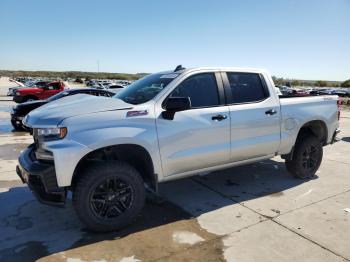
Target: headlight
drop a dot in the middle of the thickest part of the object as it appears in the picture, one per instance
(51, 133)
(17, 93)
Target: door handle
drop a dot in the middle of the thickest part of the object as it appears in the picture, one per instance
(219, 117)
(271, 112)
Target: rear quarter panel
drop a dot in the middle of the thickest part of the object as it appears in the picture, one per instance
(297, 111)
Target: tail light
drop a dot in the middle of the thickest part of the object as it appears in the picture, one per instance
(339, 107)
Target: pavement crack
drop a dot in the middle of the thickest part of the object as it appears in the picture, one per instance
(329, 159)
(310, 204)
(227, 197)
(309, 239)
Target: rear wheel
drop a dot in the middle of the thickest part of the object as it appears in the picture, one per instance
(108, 196)
(307, 157)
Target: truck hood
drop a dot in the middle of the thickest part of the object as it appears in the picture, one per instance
(26, 107)
(55, 112)
(30, 103)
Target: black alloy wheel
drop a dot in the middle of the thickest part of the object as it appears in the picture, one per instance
(111, 198)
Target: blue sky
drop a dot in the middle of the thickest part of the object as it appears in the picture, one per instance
(291, 38)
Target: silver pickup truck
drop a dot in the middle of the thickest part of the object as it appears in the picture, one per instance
(168, 125)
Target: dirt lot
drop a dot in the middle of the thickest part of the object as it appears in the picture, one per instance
(250, 213)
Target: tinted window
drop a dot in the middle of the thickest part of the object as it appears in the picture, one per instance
(56, 85)
(53, 86)
(246, 87)
(107, 94)
(95, 93)
(201, 89)
(41, 84)
(115, 86)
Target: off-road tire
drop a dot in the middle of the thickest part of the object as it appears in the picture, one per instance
(92, 179)
(299, 166)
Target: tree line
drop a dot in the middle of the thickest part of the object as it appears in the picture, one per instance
(319, 83)
(71, 74)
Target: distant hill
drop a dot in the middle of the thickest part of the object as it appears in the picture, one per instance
(299, 82)
(71, 74)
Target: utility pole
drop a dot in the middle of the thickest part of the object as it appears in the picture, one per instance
(98, 66)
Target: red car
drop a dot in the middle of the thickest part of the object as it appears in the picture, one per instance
(35, 93)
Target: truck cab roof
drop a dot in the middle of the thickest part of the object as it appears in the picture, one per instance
(238, 69)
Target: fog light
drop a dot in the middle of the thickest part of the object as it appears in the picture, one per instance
(43, 155)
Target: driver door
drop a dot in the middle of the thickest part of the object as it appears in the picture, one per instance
(197, 138)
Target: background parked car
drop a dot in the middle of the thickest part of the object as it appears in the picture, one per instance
(12, 90)
(297, 92)
(21, 110)
(41, 90)
(115, 88)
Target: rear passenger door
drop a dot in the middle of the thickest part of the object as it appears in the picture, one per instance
(255, 116)
(197, 138)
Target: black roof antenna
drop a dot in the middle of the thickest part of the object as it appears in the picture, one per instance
(178, 68)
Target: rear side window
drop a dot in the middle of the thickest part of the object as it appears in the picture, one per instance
(246, 87)
(53, 86)
(201, 89)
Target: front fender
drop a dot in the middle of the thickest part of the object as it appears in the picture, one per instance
(93, 133)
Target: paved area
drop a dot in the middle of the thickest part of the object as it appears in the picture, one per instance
(256, 212)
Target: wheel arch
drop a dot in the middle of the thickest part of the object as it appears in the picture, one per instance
(133, 154)
(317, 128)
(26, 97)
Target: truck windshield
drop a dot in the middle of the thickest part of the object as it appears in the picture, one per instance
(146, 88)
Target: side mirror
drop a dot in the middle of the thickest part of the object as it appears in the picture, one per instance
(175, 104)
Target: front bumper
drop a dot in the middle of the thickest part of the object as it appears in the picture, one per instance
(335, 137)
(41, 178)
(18, 99)
(17, 120)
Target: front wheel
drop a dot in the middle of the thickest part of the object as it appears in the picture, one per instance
(108, 196)
(29, 98)
(307, 157)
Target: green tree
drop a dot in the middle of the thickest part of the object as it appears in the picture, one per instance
(296, 83)
(321, 83)
(346, 83)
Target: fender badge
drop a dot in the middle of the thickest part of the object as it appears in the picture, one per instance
(137, 113)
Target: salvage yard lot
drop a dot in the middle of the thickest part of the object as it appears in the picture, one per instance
(256, 212)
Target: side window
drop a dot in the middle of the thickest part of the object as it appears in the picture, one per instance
(201, 89)
(246, 87)
(56, 86)
(41, 84)
(106, 94)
